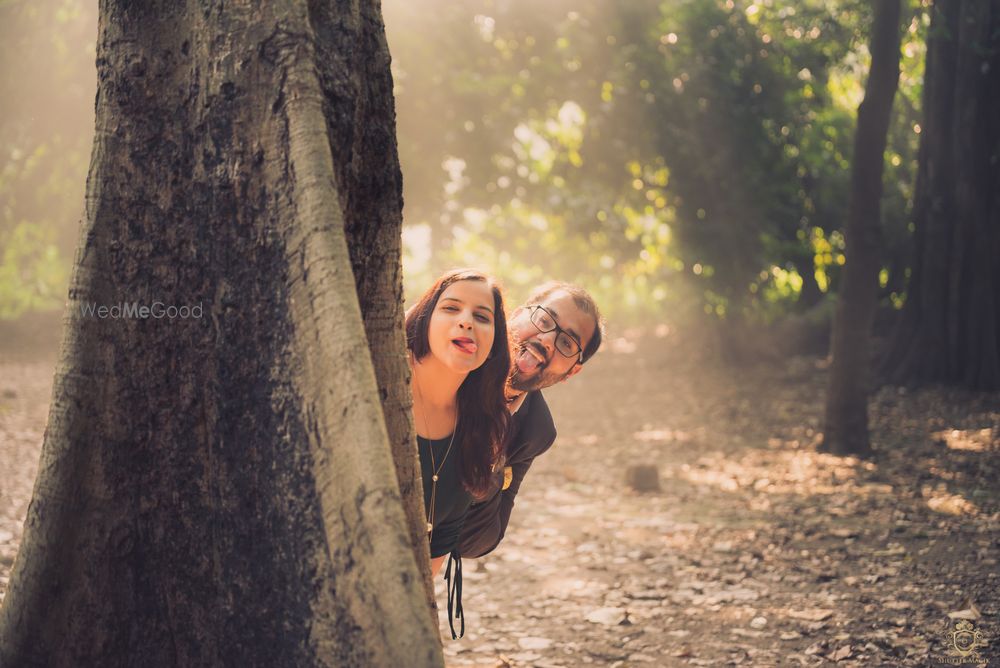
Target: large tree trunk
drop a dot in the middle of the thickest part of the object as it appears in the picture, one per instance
(950, 327)
(846, 430)
(221, 490)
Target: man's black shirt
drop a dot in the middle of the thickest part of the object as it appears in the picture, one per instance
(532, 433)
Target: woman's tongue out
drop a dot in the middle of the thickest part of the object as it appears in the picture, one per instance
(465, 345)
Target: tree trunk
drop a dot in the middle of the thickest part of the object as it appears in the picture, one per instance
(220, 490)
(846, 430)
(810, 294)
(371, 199)
(950, 326)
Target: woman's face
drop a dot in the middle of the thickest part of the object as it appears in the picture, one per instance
(461, 328)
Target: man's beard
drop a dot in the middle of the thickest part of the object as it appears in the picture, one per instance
(540, 379)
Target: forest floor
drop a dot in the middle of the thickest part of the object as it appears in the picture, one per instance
(756, 551)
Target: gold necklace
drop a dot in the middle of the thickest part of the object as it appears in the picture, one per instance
(435, 469)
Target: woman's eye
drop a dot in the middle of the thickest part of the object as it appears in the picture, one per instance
(483, 318)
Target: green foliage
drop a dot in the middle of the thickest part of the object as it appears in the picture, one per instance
(669, 155)
(33, 274)
(757, 144)
(47, 92)
(683, 156)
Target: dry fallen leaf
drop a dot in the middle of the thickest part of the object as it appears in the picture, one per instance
(816, 648)
(811, 614)
(607, 616)
(841, 654)
(844, 533)
(532, 642)
(971, 614)
(968, 611)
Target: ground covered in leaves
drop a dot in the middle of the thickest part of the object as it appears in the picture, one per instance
(756, 550)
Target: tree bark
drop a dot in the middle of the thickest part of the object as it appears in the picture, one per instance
(369, 196)
(220, 490)
(846, 430)
(949, 330)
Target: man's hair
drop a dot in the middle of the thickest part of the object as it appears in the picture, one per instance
(583, 301)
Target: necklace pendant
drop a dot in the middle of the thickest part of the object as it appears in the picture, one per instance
(430, 527)
(434, 477)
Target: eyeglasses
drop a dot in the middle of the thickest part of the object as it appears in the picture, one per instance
(545, 322)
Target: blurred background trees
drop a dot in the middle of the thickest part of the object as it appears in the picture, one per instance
(846, 426)
(950, 325)
(687, 161)
(47, 92)
(678, 157)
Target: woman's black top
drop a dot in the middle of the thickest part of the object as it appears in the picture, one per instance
(451, 505)
(452, 500)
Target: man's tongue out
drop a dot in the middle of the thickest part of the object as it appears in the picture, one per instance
(526, 361)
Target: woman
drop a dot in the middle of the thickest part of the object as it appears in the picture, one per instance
(457, 338)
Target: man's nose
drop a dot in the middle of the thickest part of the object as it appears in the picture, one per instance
(548, 339)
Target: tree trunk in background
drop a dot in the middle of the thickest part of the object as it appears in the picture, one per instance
(846, 429)
(950, 326)
(221, 490)
(810, 294)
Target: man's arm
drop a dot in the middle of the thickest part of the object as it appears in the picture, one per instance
(483, 528)
(486, 522)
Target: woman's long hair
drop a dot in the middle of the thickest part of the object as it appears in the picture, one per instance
(482, 406)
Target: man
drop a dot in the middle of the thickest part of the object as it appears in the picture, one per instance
(555, 332)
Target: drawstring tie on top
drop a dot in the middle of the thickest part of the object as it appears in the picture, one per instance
(455, 594)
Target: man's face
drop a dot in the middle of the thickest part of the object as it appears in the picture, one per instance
(536, 362)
